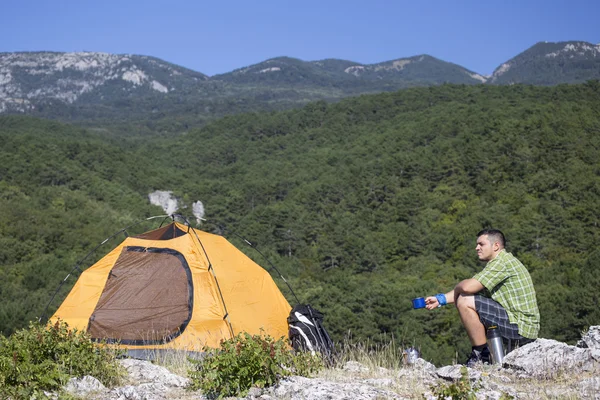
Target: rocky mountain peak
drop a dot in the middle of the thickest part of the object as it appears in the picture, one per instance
(26, 78)
(575, 49)
(394, 65)
(546, 62)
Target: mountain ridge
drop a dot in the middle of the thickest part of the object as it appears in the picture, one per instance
(89, 86)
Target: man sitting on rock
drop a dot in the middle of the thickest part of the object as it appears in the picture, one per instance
(512, 306)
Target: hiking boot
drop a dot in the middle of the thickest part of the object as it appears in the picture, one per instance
(476, 356)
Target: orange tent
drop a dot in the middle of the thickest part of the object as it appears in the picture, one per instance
(175, 288)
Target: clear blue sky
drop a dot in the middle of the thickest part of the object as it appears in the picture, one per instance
(215, 37)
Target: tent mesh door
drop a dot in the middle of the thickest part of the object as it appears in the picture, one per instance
(147, 298)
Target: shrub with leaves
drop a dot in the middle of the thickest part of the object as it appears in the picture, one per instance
(460, 390)
(247, 361)
(43, 358)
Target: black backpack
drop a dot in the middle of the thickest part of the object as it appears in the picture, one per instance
(306, 331)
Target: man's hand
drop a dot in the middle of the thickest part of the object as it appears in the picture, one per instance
(431, 303)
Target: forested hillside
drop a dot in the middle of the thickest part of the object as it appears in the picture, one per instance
(62, 191)
(362, 205)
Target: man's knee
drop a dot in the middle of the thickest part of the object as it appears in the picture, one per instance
(465, 301)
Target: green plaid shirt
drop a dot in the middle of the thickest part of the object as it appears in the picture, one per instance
(510, 285)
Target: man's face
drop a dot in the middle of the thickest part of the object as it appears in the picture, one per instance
(484, 248)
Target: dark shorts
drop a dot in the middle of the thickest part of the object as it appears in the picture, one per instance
(492, 313)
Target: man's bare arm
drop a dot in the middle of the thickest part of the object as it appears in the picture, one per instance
(468, 286)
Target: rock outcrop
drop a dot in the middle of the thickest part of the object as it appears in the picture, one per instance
(591, 339)
(145, 381)
(542, 369)
(548, 359)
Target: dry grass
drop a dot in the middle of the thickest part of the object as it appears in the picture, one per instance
(372, 355)
(175, 361)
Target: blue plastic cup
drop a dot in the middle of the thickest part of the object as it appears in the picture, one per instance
(419, 302)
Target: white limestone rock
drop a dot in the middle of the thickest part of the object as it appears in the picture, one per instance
(300, 388)
(589, 388)
(84, 387)
(146, 372)
(454, 372)
(591, 339)
(546, 358)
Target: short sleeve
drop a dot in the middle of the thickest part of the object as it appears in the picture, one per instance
(492, 275)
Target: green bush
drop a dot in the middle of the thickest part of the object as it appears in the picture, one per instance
(43, 358)
(246, 361)
(460, 390)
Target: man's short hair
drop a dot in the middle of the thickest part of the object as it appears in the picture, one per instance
(494, 235)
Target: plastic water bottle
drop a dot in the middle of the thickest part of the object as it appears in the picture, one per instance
(494, 341)
(412, 355)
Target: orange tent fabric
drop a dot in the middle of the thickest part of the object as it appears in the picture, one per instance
(175, 288)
